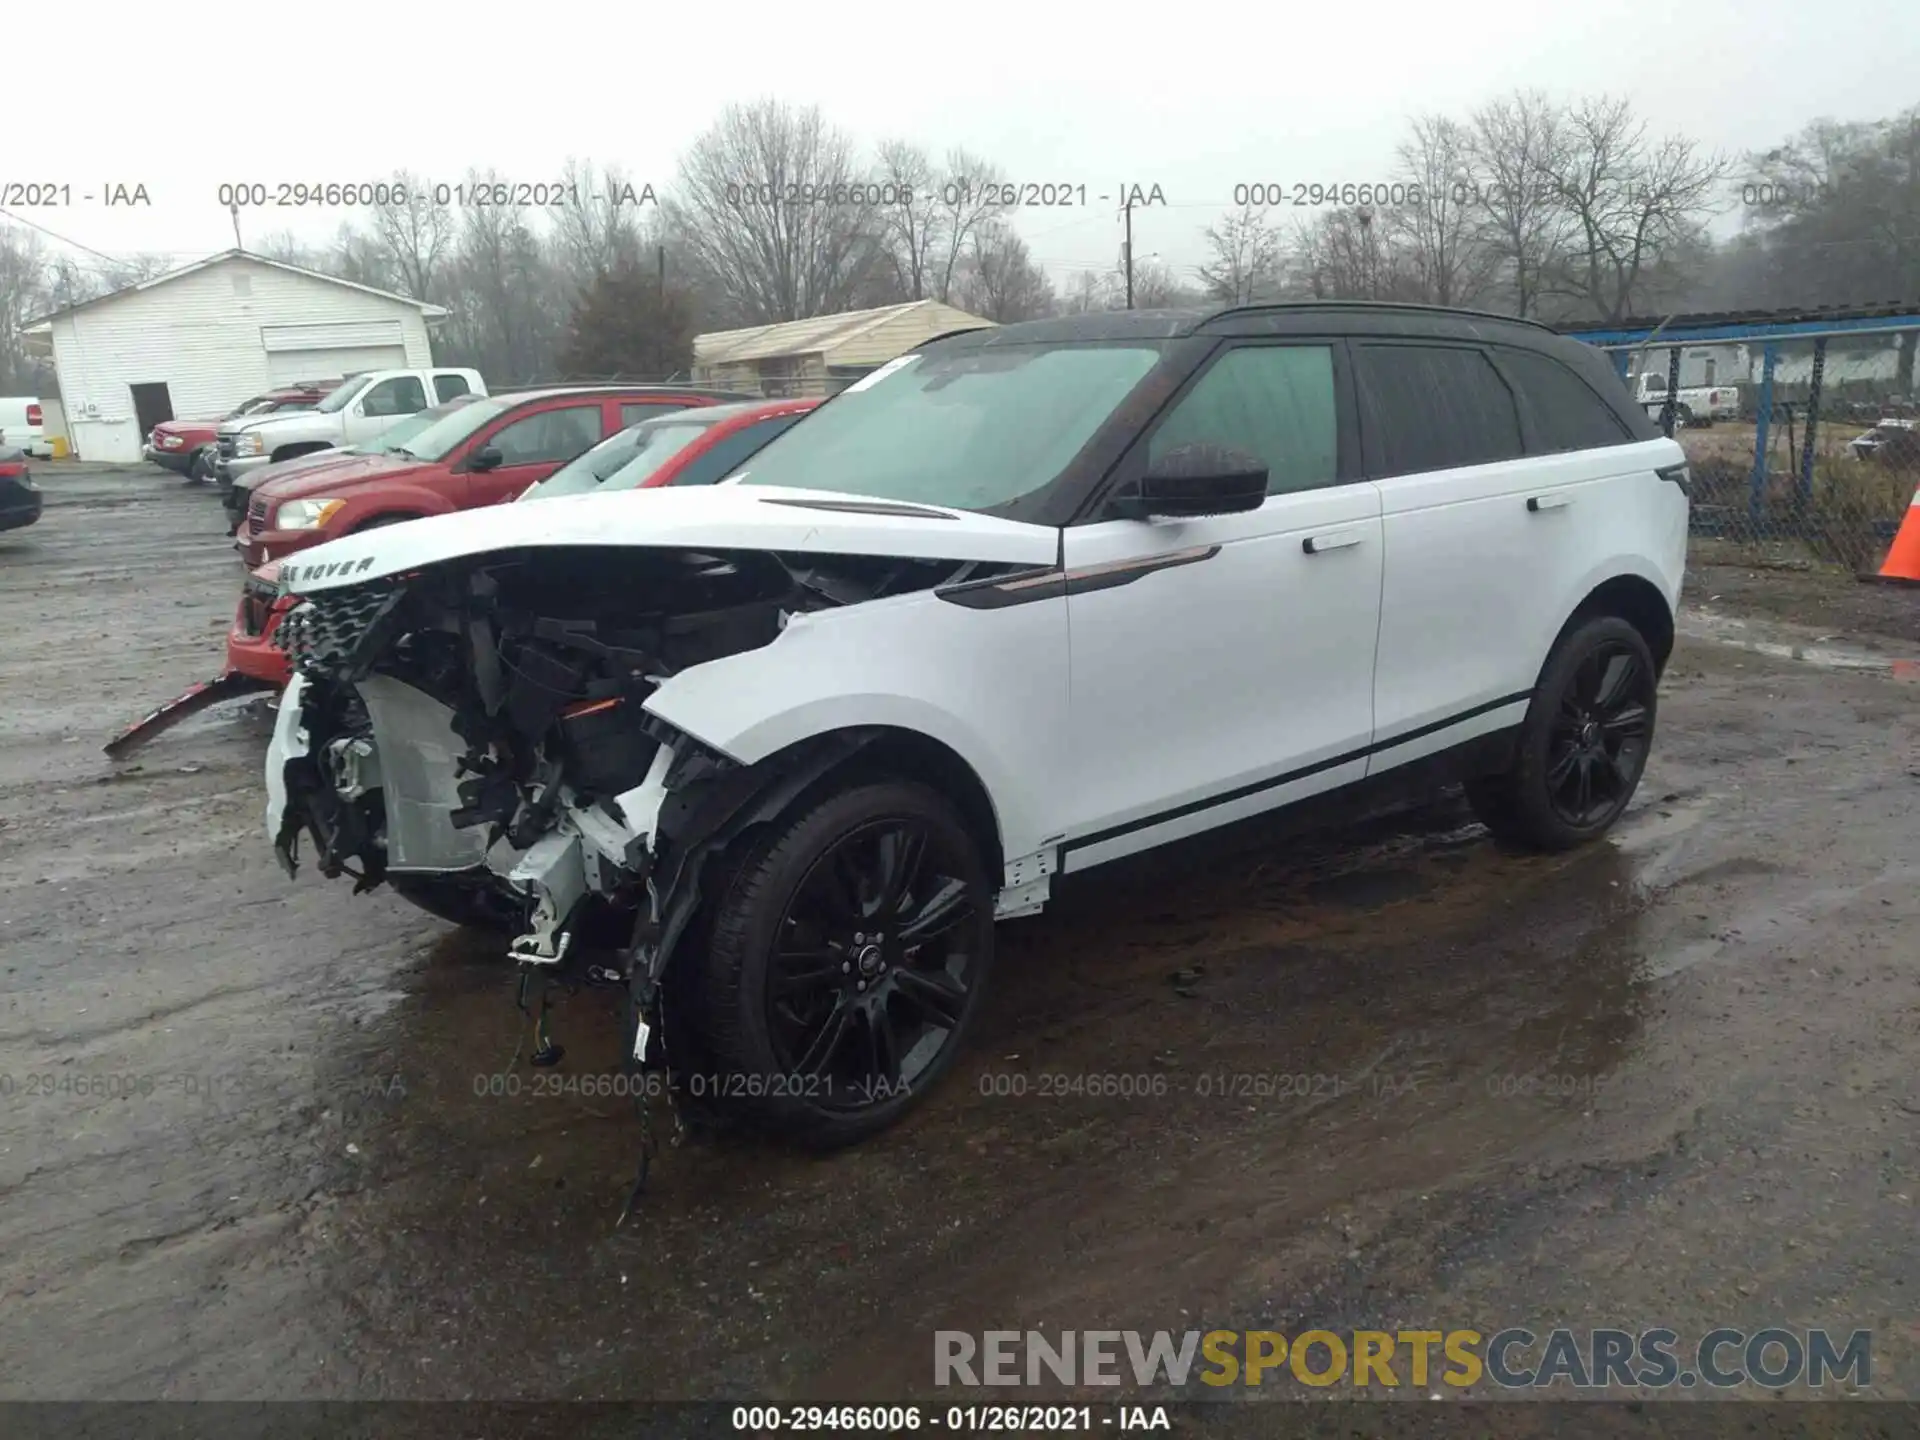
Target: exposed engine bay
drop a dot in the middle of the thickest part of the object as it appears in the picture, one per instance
(476, 726)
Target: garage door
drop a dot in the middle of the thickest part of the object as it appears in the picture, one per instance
(284, 367)
(325, 350)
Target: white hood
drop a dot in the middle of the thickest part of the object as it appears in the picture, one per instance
(701, 517)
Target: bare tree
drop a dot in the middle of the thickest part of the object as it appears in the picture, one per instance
(1091, 290)
(1515, 155)
(1155, 287)
(757, 208)
(1346, 254)
(972, 198)
(998, 279)
(598, 225)
(1435, 228)
(23, 295)
(1634, 203)
(412, 234)
(1246, 257)
(357, 256)
(910, 213)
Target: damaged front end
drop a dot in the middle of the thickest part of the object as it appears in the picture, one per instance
(474, 731)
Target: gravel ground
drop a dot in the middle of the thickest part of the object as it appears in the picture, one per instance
(250, 1147)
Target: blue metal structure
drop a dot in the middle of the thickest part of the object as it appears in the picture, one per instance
(1768, 329)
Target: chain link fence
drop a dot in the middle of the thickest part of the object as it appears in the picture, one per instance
(1818, 467)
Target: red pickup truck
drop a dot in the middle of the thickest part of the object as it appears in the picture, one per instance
(186, 446)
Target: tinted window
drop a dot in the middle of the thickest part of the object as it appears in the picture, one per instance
(633, 413)
(447, 386)
(585, 472)
(1562, 408)
(718, 461)
(550, 436)
(1429, 408)
(1274, 401)
(658, 445)
(399, 395)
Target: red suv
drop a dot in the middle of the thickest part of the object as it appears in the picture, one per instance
(480, 454)
(186, 446)
(695, 447)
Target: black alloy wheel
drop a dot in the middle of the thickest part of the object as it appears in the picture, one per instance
(849, 954)
(1599, 735)
(1584, 743)
(871, 973)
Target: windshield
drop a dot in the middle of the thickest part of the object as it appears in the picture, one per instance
(971, 430)
(252, 407)
(395, 437)
(452, 429)
(341, 396)
(585, 472)
(663, 443)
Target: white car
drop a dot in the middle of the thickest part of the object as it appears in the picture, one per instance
(1019, 603)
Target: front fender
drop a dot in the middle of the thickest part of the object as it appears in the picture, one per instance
(397, 498)
(990, 685)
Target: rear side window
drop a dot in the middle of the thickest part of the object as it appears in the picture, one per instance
(1274, 401)
(1562, 409)
(728, 454)
(447, 385)
(1430, 407)
(398, 395)
(633, 414)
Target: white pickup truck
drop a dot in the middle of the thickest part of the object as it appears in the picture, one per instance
(1692, 405)
(363, 406)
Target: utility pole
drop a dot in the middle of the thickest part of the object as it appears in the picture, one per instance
(660, 255)
(235, 209)
(1126, 250)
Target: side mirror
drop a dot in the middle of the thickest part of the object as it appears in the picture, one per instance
(1197, 479)
(487, 457)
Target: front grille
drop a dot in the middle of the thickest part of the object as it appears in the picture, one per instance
(225, 442)
(257, 512)
(326, 634)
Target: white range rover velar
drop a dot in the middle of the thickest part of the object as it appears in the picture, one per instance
(778, 752)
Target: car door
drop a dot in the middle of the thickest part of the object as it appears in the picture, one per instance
(1473, 530)
(1223, 666)
(532, 446)
(385, 401)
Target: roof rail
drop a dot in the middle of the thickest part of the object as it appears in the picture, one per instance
(1282, 305)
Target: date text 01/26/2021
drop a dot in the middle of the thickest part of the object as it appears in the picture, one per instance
(959, 193)
(1000, 1419)
(362, 194)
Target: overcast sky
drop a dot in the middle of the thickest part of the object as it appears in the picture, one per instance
(1193, 99)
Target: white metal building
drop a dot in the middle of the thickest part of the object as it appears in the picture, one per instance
(195, 342)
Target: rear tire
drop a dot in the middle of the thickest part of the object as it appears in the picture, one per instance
(822, 1037)
(1583, 745)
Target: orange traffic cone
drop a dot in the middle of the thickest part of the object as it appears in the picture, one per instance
(1902, 565)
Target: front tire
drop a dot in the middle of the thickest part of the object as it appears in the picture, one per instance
(848, 958)
(199, 467)
(1584, 743)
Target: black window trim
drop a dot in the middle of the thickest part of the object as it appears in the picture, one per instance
(1529, 437)
(396, 381)
(1131, 463)
(1376, 462)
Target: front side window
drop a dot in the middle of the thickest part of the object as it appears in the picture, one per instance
(974, 429)
(550, 436)
(397, 395)
(1274, 401)
(1429, 407)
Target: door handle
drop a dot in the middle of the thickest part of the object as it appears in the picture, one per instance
(1332, 540)
(1537, 503)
